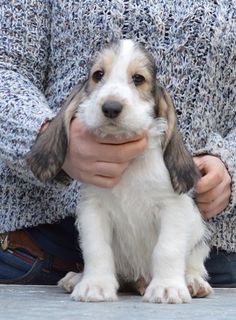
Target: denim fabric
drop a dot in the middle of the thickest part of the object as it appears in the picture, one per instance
(59, 239)
(14, 270)
(221, 267)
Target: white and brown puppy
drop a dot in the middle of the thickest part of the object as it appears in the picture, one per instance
(146, 227)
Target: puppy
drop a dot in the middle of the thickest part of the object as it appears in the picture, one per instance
(146, 229)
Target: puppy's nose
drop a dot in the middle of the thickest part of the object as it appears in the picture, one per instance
(111, 109)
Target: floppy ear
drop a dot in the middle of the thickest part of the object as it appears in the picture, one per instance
(47, 154)
(183, 172)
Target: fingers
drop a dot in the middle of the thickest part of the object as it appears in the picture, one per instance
(213, 173)
(214, 188)
(99, 181)
(213, 194)
(210, 181)
(107, 169)
(103, 169)
(121, 153)
(119, 150)
(114, 153)
(100, 161)
(213, 202)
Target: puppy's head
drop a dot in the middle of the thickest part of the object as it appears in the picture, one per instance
(120, 90)
(120, 97)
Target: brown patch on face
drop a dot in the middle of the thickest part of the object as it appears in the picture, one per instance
(142, 64)
(101, 67)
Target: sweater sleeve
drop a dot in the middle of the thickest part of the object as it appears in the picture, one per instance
(221, 141)
(24, 52)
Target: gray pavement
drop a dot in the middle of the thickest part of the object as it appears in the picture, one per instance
(50, 302)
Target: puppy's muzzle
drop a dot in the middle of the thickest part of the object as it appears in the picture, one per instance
(111, 109)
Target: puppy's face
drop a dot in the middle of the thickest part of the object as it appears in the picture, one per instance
(120, 91)
(120, 97)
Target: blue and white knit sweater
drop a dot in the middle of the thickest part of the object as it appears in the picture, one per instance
(44, 49)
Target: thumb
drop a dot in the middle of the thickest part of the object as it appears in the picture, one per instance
(199, 162)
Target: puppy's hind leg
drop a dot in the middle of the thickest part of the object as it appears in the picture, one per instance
(196, 273)
(70, 281)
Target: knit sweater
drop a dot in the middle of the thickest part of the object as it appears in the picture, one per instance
(45, 47)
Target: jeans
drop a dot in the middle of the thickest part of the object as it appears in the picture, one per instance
(221, 267)
(22, 268)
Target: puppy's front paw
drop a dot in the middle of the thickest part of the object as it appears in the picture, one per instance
(70, 281)
(158, 292)
(96, 288)
(198, 287)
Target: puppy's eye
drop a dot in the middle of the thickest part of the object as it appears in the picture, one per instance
(98, 75)
(138, 79)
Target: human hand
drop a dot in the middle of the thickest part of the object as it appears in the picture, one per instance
(214, 188)
(99, 161)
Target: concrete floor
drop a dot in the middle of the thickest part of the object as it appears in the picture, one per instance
(50, 302)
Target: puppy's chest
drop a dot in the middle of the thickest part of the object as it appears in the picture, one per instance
(145, 183)
(135, 223)
(134, 207)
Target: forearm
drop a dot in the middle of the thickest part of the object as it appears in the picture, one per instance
(23, 110)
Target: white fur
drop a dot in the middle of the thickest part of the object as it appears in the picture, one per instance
(140, 227)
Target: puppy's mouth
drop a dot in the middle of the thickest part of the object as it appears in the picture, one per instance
(113, 129)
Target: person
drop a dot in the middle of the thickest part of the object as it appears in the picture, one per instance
(45, 48)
